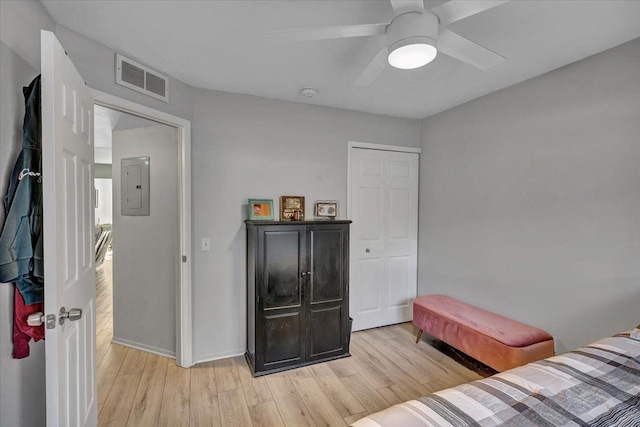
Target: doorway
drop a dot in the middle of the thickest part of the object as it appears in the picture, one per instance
(141, 251)
(153, 121)
(382, 202)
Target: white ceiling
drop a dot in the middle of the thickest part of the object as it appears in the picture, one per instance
(222, 45)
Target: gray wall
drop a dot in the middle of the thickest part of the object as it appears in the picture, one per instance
(22, 394)
(95, 62)
(146, 248)
(530, 200)
(243, 147)
(22, 380)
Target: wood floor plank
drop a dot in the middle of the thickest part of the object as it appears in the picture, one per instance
(108, 369)
(370, 399)
(391, 369)
(293, 411)
(176, 398)
(340, 396)
(266, 415)
(116, 409)
(280, 384)
(204, 406)
(303, 372)
(391, 397)
(133, 362)
(384, 333)
(234, 411)
(256, 390)
(369, 370)
(413, 367)
(343, 367)
(148, 399)
(353, 418)
(227, 377)
(322, 410)
(443, 367)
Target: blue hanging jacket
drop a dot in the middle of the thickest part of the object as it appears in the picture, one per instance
(21, 252)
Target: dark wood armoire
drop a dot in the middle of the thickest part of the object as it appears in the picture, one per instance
(297, 293)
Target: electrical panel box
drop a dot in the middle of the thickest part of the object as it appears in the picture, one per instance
(134, 199)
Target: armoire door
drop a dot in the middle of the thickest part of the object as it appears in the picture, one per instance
(280, 322)
(327, 292)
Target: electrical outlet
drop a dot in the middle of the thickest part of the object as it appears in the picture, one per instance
(206, 244)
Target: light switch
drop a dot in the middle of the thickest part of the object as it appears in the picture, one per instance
(206, 244)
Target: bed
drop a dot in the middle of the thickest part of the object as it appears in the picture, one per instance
(595, 385)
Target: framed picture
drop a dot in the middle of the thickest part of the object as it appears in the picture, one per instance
(326, 209)
(260, 209)
(291, 208)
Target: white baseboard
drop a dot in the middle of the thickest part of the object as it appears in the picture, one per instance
(144, 347)
(215, 356)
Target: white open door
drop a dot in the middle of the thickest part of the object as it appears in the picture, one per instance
(69, 267)
(383, 204)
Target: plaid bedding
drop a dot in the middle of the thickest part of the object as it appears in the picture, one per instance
(595, 385)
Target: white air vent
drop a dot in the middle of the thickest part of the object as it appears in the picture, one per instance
(136, 76)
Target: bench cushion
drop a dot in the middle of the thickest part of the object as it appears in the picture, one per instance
(495, 340)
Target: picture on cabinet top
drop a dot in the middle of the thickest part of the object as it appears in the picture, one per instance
(261, 209)
(326, 209)
(291, 208)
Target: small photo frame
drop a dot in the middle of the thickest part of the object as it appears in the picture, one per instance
(326, 209)
(260, 209)
(291, 208)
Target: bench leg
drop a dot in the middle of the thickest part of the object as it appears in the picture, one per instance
(419, 335)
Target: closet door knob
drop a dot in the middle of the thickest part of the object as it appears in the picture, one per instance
(367, 250)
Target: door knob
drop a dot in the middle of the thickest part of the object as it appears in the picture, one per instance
(36, 319)
(72, 315)
(367, 250)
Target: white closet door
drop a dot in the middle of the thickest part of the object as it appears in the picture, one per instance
(383, 204)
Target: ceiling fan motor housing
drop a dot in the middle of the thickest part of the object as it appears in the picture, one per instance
(411, 28)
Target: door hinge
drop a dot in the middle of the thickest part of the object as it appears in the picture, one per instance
(184, 258)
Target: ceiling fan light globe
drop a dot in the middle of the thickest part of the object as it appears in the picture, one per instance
(410, 54)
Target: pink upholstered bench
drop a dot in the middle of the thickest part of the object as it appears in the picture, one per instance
(496, 341)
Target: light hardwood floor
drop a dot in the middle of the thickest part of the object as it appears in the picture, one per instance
(136, 388)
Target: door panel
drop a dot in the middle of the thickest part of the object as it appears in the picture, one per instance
(282, 338)
(399, 214)
(370, 276)
(370, 201)
(383, 195)
(326, 264)
(398, 274)
(282, 269)
(67, 164)
(324, 324)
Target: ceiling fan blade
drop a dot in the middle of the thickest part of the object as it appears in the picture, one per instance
(324, 33)
(465, 50)
(453, 11)
(404, 6)
(373, 69)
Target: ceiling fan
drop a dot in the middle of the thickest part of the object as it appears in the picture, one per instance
(414, 36)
